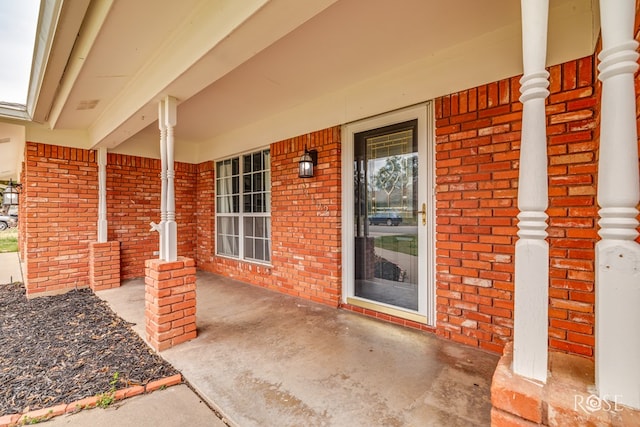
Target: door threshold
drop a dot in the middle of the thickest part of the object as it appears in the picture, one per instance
(392, 311)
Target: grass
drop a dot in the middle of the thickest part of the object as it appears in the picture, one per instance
(9, 240)
(107, 398)
(406, 244)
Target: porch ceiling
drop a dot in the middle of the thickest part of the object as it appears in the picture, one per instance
(257, 71)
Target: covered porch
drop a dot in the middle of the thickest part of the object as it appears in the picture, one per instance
(264, 358)
(534, 225)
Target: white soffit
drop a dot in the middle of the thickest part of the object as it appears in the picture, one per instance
(51, 55)
(486, 58)
(253, 72)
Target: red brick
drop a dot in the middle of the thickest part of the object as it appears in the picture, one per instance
(164, 382)
(514, 394)
(87, 402)
(134, 391)
(43, 414)
(167, 309)
(186, 336)
(9, 420)
(503, 419)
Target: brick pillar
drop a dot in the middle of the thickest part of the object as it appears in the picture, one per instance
(170, 302)
(104, 265)
(567, 399)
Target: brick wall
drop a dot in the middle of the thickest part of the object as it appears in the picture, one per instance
(305, 220)
(205, 215)
(58, 217)
(133, 202)
(572, 151)
(186, 208)
(306, 223)
(477, 158)
(104, 265)
(60, 208)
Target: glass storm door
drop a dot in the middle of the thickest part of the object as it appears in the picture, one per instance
(391, 221)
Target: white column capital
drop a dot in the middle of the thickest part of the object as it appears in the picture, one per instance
(171, 111)
(534, 34)
(162, 122)
(102, 156)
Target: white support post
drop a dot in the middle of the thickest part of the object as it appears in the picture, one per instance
(102, 195)
(161, 228)
(617, 357)
(171, 228)
(532, 250)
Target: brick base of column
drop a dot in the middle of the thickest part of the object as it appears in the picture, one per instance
(104, 265)
(567, 399)
(170, 302)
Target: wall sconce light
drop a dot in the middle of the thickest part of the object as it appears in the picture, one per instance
(308, 160)
(10, 195)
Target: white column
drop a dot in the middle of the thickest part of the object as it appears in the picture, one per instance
(532, 250)
(163, 177)
(102, 195)
(171, 228)
(617, 355)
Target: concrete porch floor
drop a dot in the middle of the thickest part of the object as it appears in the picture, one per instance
(266, 359)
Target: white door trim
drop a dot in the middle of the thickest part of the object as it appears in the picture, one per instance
(426, 194)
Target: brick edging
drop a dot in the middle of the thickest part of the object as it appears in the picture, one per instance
(45, 414)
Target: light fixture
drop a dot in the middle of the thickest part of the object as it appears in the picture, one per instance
(308, 160)
(10, 195)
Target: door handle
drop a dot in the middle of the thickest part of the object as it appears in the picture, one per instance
(424, 214)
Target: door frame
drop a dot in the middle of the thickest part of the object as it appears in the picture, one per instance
(426, 313)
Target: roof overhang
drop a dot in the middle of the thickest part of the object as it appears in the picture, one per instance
(253, 72)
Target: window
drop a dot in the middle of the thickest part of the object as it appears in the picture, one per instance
(243, 207)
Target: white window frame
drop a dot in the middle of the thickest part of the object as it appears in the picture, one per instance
(241, 215)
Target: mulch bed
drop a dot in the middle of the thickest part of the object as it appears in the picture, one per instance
(63, 348)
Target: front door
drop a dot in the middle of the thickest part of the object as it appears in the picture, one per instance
(390, 219)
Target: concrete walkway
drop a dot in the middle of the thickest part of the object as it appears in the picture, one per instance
(266, 359)
(10, 270)
(175, 406)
